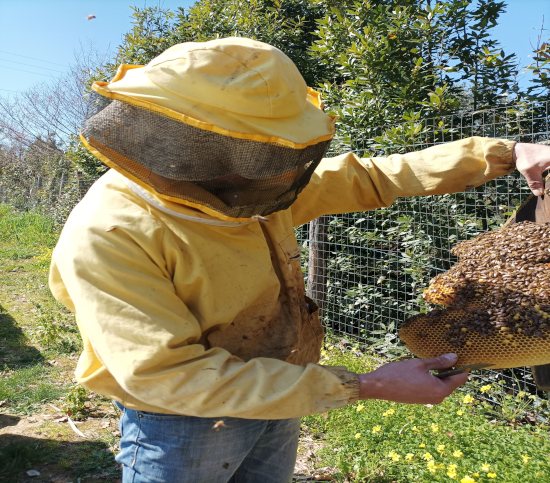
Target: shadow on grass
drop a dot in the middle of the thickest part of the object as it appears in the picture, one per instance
(15, 351)
(55, 461)
(7, 420)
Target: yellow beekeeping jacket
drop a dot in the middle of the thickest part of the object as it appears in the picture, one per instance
(184, 313)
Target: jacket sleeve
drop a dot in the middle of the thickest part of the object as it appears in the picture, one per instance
(138, 331)
(348, 183)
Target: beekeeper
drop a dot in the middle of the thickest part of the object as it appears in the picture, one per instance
(183, 270)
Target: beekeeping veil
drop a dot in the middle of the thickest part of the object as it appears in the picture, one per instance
(227, 126)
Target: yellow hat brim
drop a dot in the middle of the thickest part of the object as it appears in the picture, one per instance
(311, 126)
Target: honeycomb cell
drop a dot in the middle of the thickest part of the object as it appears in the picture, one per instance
(427, 336)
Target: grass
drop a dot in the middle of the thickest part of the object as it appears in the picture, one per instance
(25, 236)
(27, 388)
(39, 345)
(460, 440)
(33, 324)
(55, 457)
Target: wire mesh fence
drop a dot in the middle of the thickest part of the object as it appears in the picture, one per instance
(370, 268)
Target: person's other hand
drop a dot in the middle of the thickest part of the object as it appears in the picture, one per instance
(410, 381)
(531, 161)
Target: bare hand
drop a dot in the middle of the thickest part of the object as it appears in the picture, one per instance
(531, 161)
(410, 381)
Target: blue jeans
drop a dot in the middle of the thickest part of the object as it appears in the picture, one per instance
(167, 448)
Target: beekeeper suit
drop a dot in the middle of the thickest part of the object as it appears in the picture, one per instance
(181, 262)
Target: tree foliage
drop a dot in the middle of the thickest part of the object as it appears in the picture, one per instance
(287, 24)
(399, 62)
(38, 129)
(540, 85)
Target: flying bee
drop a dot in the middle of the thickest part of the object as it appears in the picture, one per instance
(218, 425)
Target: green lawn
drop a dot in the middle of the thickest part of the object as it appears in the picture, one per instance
(39, 346)
(482, 433)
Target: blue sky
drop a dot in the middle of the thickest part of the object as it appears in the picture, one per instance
(39, 38)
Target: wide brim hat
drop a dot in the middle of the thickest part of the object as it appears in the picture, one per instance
(236, 88)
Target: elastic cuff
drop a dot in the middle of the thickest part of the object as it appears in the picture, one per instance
(499, 155)
(350, 381)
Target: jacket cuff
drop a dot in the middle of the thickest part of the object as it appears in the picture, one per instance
(499, 155)
(350, 382)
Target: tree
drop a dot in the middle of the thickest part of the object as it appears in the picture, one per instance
(286, 24)
(401, 61)
(37, 129)
(540, 68)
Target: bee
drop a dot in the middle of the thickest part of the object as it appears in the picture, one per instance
(218, 425)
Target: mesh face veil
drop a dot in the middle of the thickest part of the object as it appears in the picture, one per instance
(237, 177)
(226, 126)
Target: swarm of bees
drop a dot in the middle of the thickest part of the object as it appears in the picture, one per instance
(494, 303)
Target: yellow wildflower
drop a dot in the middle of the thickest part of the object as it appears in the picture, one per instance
(422, 445)
(357, 435)
(484, 389)
(441, 448)
(458, 454)
(360, 407)
(389, 412)
(468, 399)
(451, 471)
(432, 467)
(491, 475)
(409, 456)
(435, 428)
(377, 429)
(427, 456)
(460, 412)
(467, 479)
(525, 458)
(415, 429)
(485, 467)
(394, 456)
